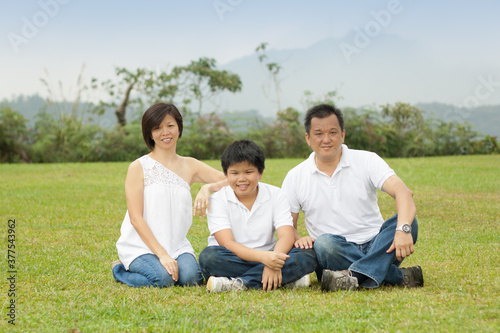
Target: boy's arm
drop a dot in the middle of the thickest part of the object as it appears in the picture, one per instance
(286, 237)
(271, 259)
(271, 278)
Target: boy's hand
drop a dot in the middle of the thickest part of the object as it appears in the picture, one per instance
(271, 279)
(274, 260)
(305, 242)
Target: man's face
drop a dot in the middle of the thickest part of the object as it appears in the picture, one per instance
(326, 137)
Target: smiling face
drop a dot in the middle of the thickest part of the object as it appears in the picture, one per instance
(166, 134)
(244, 178)
(326, 137)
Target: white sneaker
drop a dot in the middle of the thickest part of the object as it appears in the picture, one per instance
(303, 282)
(221, 284)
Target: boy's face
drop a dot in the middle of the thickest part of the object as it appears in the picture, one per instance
(243, 178)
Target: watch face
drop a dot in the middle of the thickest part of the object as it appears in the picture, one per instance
(406, 228)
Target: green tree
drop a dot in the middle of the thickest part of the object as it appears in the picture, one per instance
(13, 138)
(284, 138)
(274, 69)
(365, 130)
(201, 80)
(120, 92)
(405, 135)
(198, 81)
(206, 138)
(63, 138)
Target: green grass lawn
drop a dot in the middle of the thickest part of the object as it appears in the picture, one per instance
(68, 219)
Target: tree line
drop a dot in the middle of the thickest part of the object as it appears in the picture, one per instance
(397, 130)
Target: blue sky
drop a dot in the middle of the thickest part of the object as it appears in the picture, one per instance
(161, 34)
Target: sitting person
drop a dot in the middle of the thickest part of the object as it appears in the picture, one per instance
(242, 250)
(153, 248)
(336, 188)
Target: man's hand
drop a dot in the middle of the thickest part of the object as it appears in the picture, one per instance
(403, 244)
(274, 260)
(305, 242)
(271, 279)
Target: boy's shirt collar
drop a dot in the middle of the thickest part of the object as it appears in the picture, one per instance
(262, 196)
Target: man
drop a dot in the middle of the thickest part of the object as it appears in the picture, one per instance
(336, 188)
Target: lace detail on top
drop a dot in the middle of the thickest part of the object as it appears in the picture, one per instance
(157, 173)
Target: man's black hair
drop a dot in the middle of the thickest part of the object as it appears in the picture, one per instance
(322, 111)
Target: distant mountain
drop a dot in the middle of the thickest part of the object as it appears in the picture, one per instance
(387, 70)
(484, 119)
(30, 106)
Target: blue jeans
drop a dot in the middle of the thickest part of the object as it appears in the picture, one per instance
(219, 261)
(369, 259)
(147, 271)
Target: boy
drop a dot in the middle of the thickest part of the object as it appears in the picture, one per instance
(242, 251)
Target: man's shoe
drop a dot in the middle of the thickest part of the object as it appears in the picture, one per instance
(222, 284)
(338, 280)
(303, 282)
(412, 277)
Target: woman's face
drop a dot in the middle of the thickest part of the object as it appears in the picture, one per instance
(166, 134)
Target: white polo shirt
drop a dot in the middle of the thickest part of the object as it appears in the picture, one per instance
(253, 228)
(344, 204)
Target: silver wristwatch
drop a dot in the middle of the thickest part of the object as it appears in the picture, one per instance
(406, 228)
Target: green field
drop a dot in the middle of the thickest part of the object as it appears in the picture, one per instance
(68, 216)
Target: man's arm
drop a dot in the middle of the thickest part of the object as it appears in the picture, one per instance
(405, 206)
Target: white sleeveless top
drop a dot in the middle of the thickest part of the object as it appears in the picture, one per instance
(167, 211)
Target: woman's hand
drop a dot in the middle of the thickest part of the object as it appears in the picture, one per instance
(171, 266)
(201, 202)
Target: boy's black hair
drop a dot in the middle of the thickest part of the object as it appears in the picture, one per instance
(241, 151)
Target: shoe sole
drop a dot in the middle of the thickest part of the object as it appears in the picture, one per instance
(209, 284)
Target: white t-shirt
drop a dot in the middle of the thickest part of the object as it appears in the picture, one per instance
(344, 204)
(167, 211)
(253, 228)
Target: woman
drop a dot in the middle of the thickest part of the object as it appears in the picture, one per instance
(153, 247)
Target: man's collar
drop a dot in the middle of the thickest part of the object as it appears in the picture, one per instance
(344, 160)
